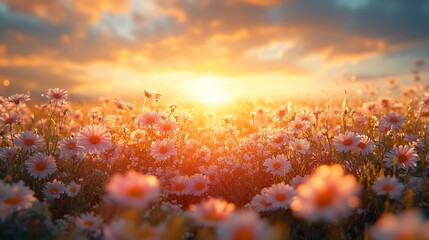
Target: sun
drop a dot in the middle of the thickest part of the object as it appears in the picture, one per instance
(210, 90)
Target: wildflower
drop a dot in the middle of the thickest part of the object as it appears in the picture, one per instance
(403, 156)
(133, 189)
(94, 138)
(54, 189)
(261, 203)
(179, 185)
(57, 95)
(89, 222)
(306, 116)
(7, 153)
(40, 165)
(29, 141)
(69, 147)
(244, 225)
(280, 195)
(14, 197)
(405, 225)
(163, 149)
(203, 153)
(167, 126)
(298, 180)
(298, 126)
(18, 98)
(347, 141)
(148, 119)
(327, 195)
(279, 139)
(388, 186)
(281, 112)
(199, 184)
(9, 118)
(365, 146)
(72, 189)
(300, 145)
(277, 165)
(138, 135)
(393, 119)
(210, 212)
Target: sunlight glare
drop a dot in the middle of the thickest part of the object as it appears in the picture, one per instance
(209, 89)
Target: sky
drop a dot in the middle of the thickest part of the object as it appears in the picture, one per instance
(209, 50)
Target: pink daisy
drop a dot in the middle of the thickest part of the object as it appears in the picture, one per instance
(306, 116)
(72, 189)
(40, 165)
(347, 141)
(210, 212)
(403, 156)
(9, 118)
(298, 126)
(300, 145)
(388, 186)
(277, 165)
(29, 141)
(133, 189)
(327, 195)
(393, 119)
(14, 197)
(279, 138)
(261, 203)
(298, 180)
(18, 98)
(148, 119)
(161, 150)
(94, 138)
(57, 95)
(69, 147)
(365, 146)
(53, 190)
(167, 126)
(244, 225)
(89, 222)
(179, 185)
(198, 184)
(280, 195)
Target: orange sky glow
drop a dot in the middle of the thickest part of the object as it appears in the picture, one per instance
(208, 50)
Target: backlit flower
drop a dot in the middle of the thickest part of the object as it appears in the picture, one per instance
(94, 138)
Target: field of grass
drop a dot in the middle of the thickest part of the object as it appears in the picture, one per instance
(352, 169)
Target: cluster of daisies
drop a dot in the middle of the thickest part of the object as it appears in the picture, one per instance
(120, 172)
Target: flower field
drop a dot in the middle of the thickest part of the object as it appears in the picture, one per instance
(348, 169)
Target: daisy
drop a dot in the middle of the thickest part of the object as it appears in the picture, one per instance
(244, 225)
(89, 222)
(9, 118)
(306, 116)
(403, 156)
(211, 172)
(133, 189)
(280, 195)
(281, 112)
(14, 197)
(138, 135)
(365, 146)
(405, 225)
(326, 195)
(210, 212)
(300, 145)
(279, 138)
(167, 126)
(7, 153)
(18, 98)
(40, 165)
(298, 180)
(94, 138)
(72, 189)
(388, 186)
(179, 185)
(148, 119)
(298, 126)
(393, 119)
(203, 153)
(69, 147)
(54, 189)
(161, 150)
(261, 203)
(199, 184)
(277, 165)
(29, 141)
(57, 95)
(347, 141)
